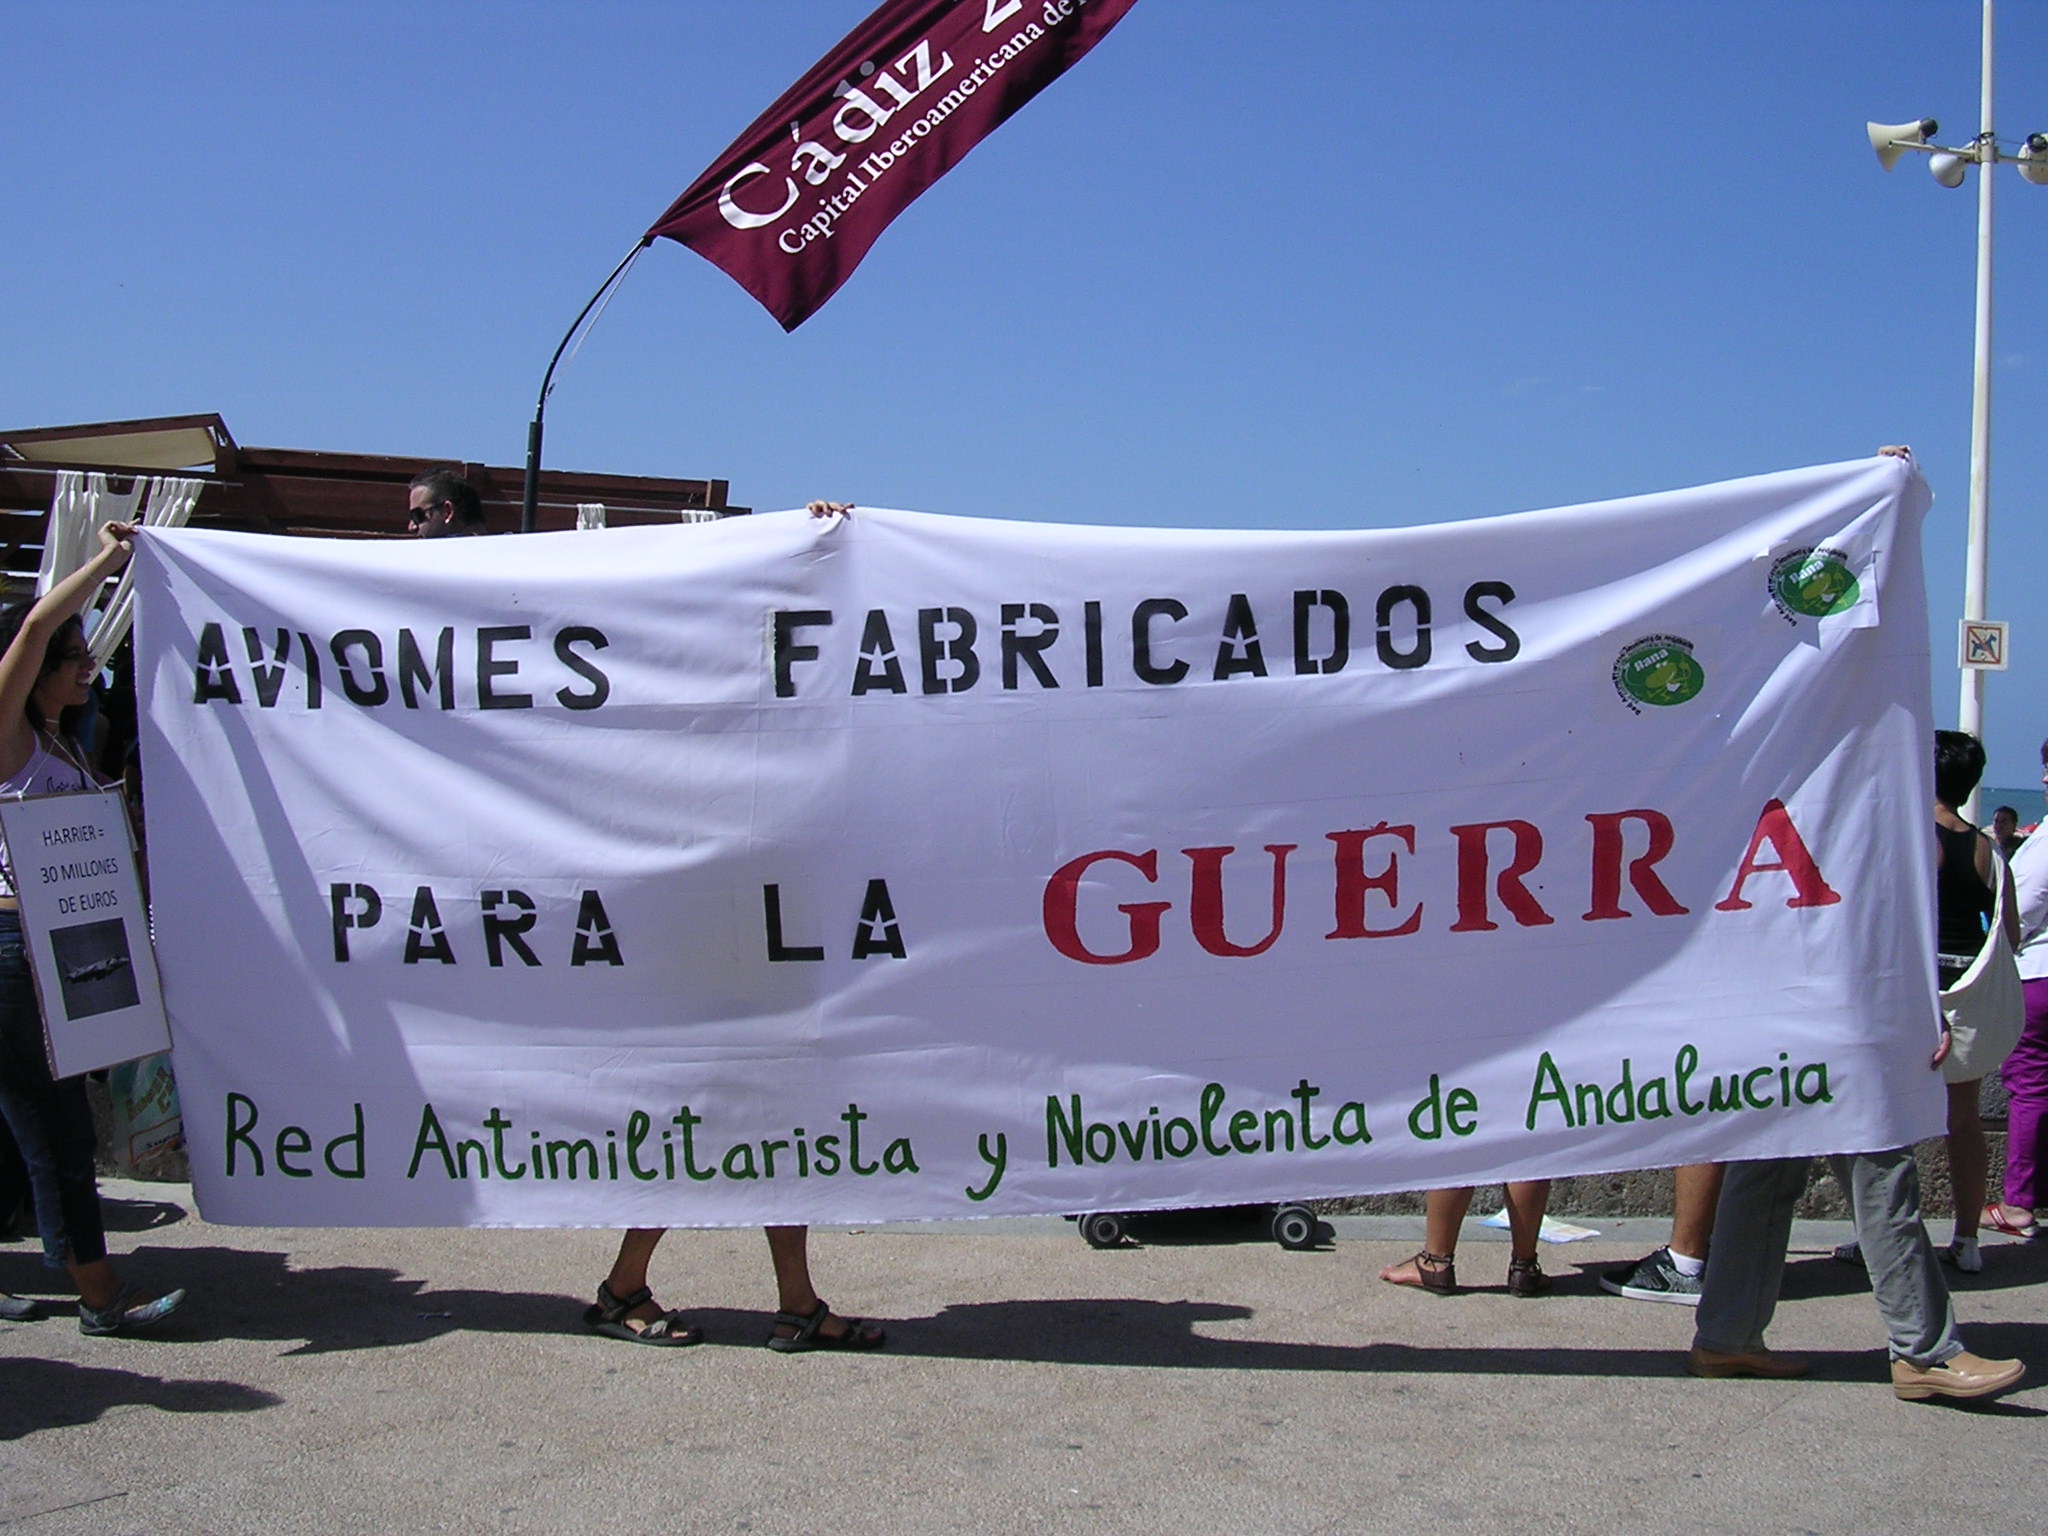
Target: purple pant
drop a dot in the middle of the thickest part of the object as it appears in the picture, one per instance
(2025, 1074)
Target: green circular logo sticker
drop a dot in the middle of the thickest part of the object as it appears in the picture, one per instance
(1659, 670)
(1813, 583)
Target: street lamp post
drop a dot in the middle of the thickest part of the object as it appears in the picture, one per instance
(529, 501)
(1950, 167)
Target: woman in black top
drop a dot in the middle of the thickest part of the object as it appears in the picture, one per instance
(1964, 901)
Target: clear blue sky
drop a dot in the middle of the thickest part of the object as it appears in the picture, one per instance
(1303, 265)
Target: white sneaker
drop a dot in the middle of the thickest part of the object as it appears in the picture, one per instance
(1964, 1255)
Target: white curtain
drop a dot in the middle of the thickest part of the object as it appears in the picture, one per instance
(81, 504)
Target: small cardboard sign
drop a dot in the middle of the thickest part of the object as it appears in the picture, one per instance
(72, 860)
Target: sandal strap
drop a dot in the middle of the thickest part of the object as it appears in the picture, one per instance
(1424, 1259)
(111, 1314)
(614, 1308)
(805, 1324)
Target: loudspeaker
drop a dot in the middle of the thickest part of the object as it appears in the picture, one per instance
(1948, 169)
(2033, 162)
(1886, 138)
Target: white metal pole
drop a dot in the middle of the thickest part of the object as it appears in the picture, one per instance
(1977, 572)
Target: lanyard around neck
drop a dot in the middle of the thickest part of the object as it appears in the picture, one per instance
(57, 747)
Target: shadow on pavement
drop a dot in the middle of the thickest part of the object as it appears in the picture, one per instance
(2007, 1266)
(1152, 1333)
(257, 1295)
(139, 1215)
(54, 1394)
(238, 1293)
(1811, 1274)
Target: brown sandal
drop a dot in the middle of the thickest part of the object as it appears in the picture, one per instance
(1436, 1273)
(1526, 1277)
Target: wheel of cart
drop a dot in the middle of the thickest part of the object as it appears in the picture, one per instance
(1105, 1229)
(1296, 1227)
(1292, 1225)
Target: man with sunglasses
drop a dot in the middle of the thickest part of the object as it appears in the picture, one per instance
(443, 505)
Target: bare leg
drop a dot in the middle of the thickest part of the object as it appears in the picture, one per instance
(789, 1249)
(1692, 1222)
(1969, 1158)
(629, 1269)
(97, 1283)
(1444, 1214)
(1526, 1204)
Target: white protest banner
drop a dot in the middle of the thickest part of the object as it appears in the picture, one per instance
(72, 859)
(890, 865)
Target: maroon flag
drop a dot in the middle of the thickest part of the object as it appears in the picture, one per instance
(790, 209)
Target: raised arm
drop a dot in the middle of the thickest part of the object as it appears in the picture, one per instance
(22, 663)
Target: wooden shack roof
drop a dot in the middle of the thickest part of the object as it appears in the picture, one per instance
(312, 494)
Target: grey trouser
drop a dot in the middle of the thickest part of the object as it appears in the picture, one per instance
(1753, 1227)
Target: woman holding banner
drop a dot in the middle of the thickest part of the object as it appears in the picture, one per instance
(46, 672)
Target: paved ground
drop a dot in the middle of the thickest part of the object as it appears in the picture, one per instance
(403, 1381)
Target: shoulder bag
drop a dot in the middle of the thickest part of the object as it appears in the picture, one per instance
(1986, 1009)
